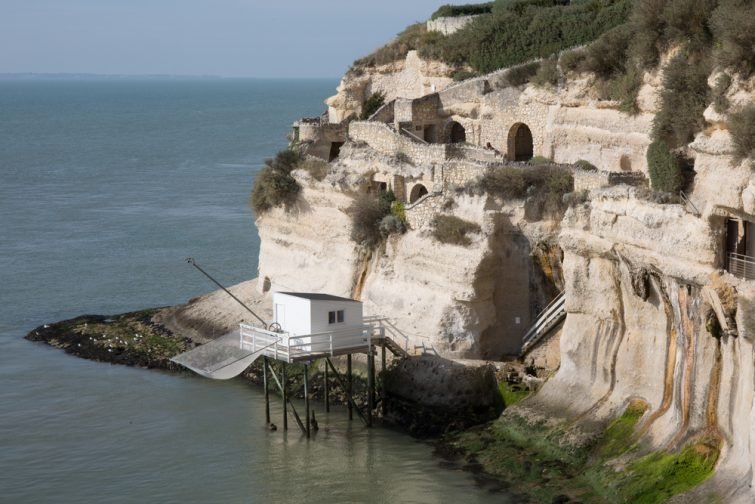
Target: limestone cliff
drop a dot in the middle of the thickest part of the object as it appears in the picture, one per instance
(652, 313)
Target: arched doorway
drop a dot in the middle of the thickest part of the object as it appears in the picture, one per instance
(520, 143)
(417, 192)
(456, 133)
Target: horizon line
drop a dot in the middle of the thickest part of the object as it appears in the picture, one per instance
(63, 75)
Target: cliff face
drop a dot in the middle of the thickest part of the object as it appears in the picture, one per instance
(651, 316)
(466, 301)
(411, 78)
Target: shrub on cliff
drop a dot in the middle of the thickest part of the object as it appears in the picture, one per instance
(664, 169)
(453, 230)
(547, 74)
(462, 10)
(742, 131)
(372, 104)
(373, 218)
(683, 99)
(274, 186)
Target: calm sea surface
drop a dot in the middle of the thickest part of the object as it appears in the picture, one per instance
(105, 188)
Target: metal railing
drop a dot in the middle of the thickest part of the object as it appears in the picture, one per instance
(741, 265)
(287, 347)
(688, 203)
(414, 137)
(546, 320)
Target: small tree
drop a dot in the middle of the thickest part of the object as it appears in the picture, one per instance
(372, 104)
(665, 172)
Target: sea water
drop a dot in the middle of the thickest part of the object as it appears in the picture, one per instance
(106, 186)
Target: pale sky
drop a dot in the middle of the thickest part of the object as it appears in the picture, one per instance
(230, 38)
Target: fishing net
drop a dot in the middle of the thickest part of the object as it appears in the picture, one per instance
(222, 358)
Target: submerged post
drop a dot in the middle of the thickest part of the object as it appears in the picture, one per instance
(327, 390)
(306, 398)
(285, 397)
(370, 386)
(382, 374)
(349, 386)
(267, 391)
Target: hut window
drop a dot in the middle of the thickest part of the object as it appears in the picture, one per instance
(335, 317)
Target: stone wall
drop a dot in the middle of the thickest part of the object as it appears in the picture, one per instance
(449, 25)
(386, 141)
(421, 213)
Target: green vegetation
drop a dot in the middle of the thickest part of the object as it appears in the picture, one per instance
(372, 104)
(619, 434)
(664, 169)
(742, 130)
(512, 394)
(453, 230)
(543, 185)
(462, 10)
(274, 185)
(720, 101)
(522, 74)
(522, 30)
(374, 217)
(316, 167)
(683, 99)
(585, 165)
(547, 74)
(547, 460)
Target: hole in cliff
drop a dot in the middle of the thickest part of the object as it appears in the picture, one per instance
(520, 143)
(456, 133)
(417, 192)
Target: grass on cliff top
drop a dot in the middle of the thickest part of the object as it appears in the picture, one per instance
(544, 461)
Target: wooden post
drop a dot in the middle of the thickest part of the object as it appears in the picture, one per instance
(306, 398)
(285, 397)
(370, 386)
(374, 377)
(327, 390)
(349, 384)
(382, 381)
(267, 392)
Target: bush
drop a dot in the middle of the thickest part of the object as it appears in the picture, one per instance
(462, 10)
(274, 186)
(547, 74)
(550, 183)
(372, 104)
(368, 218)
(453, 230)
(607, 56)
(720, 101)
(585, 165)
(663, 165)
(742, 131)
(316, 167)
(522, 74)
(506, 182)
(391, 224)
(573, 61)
(398, 210)
(733, 27)
(539, 160)
(462, 75)
(683, 100)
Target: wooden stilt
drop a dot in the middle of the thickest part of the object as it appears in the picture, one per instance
(382, 381)
(306, 399)
(370, 386)
(345, 387)
(349, 386)
(267, 392)
(327, 390)
(285, 397)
